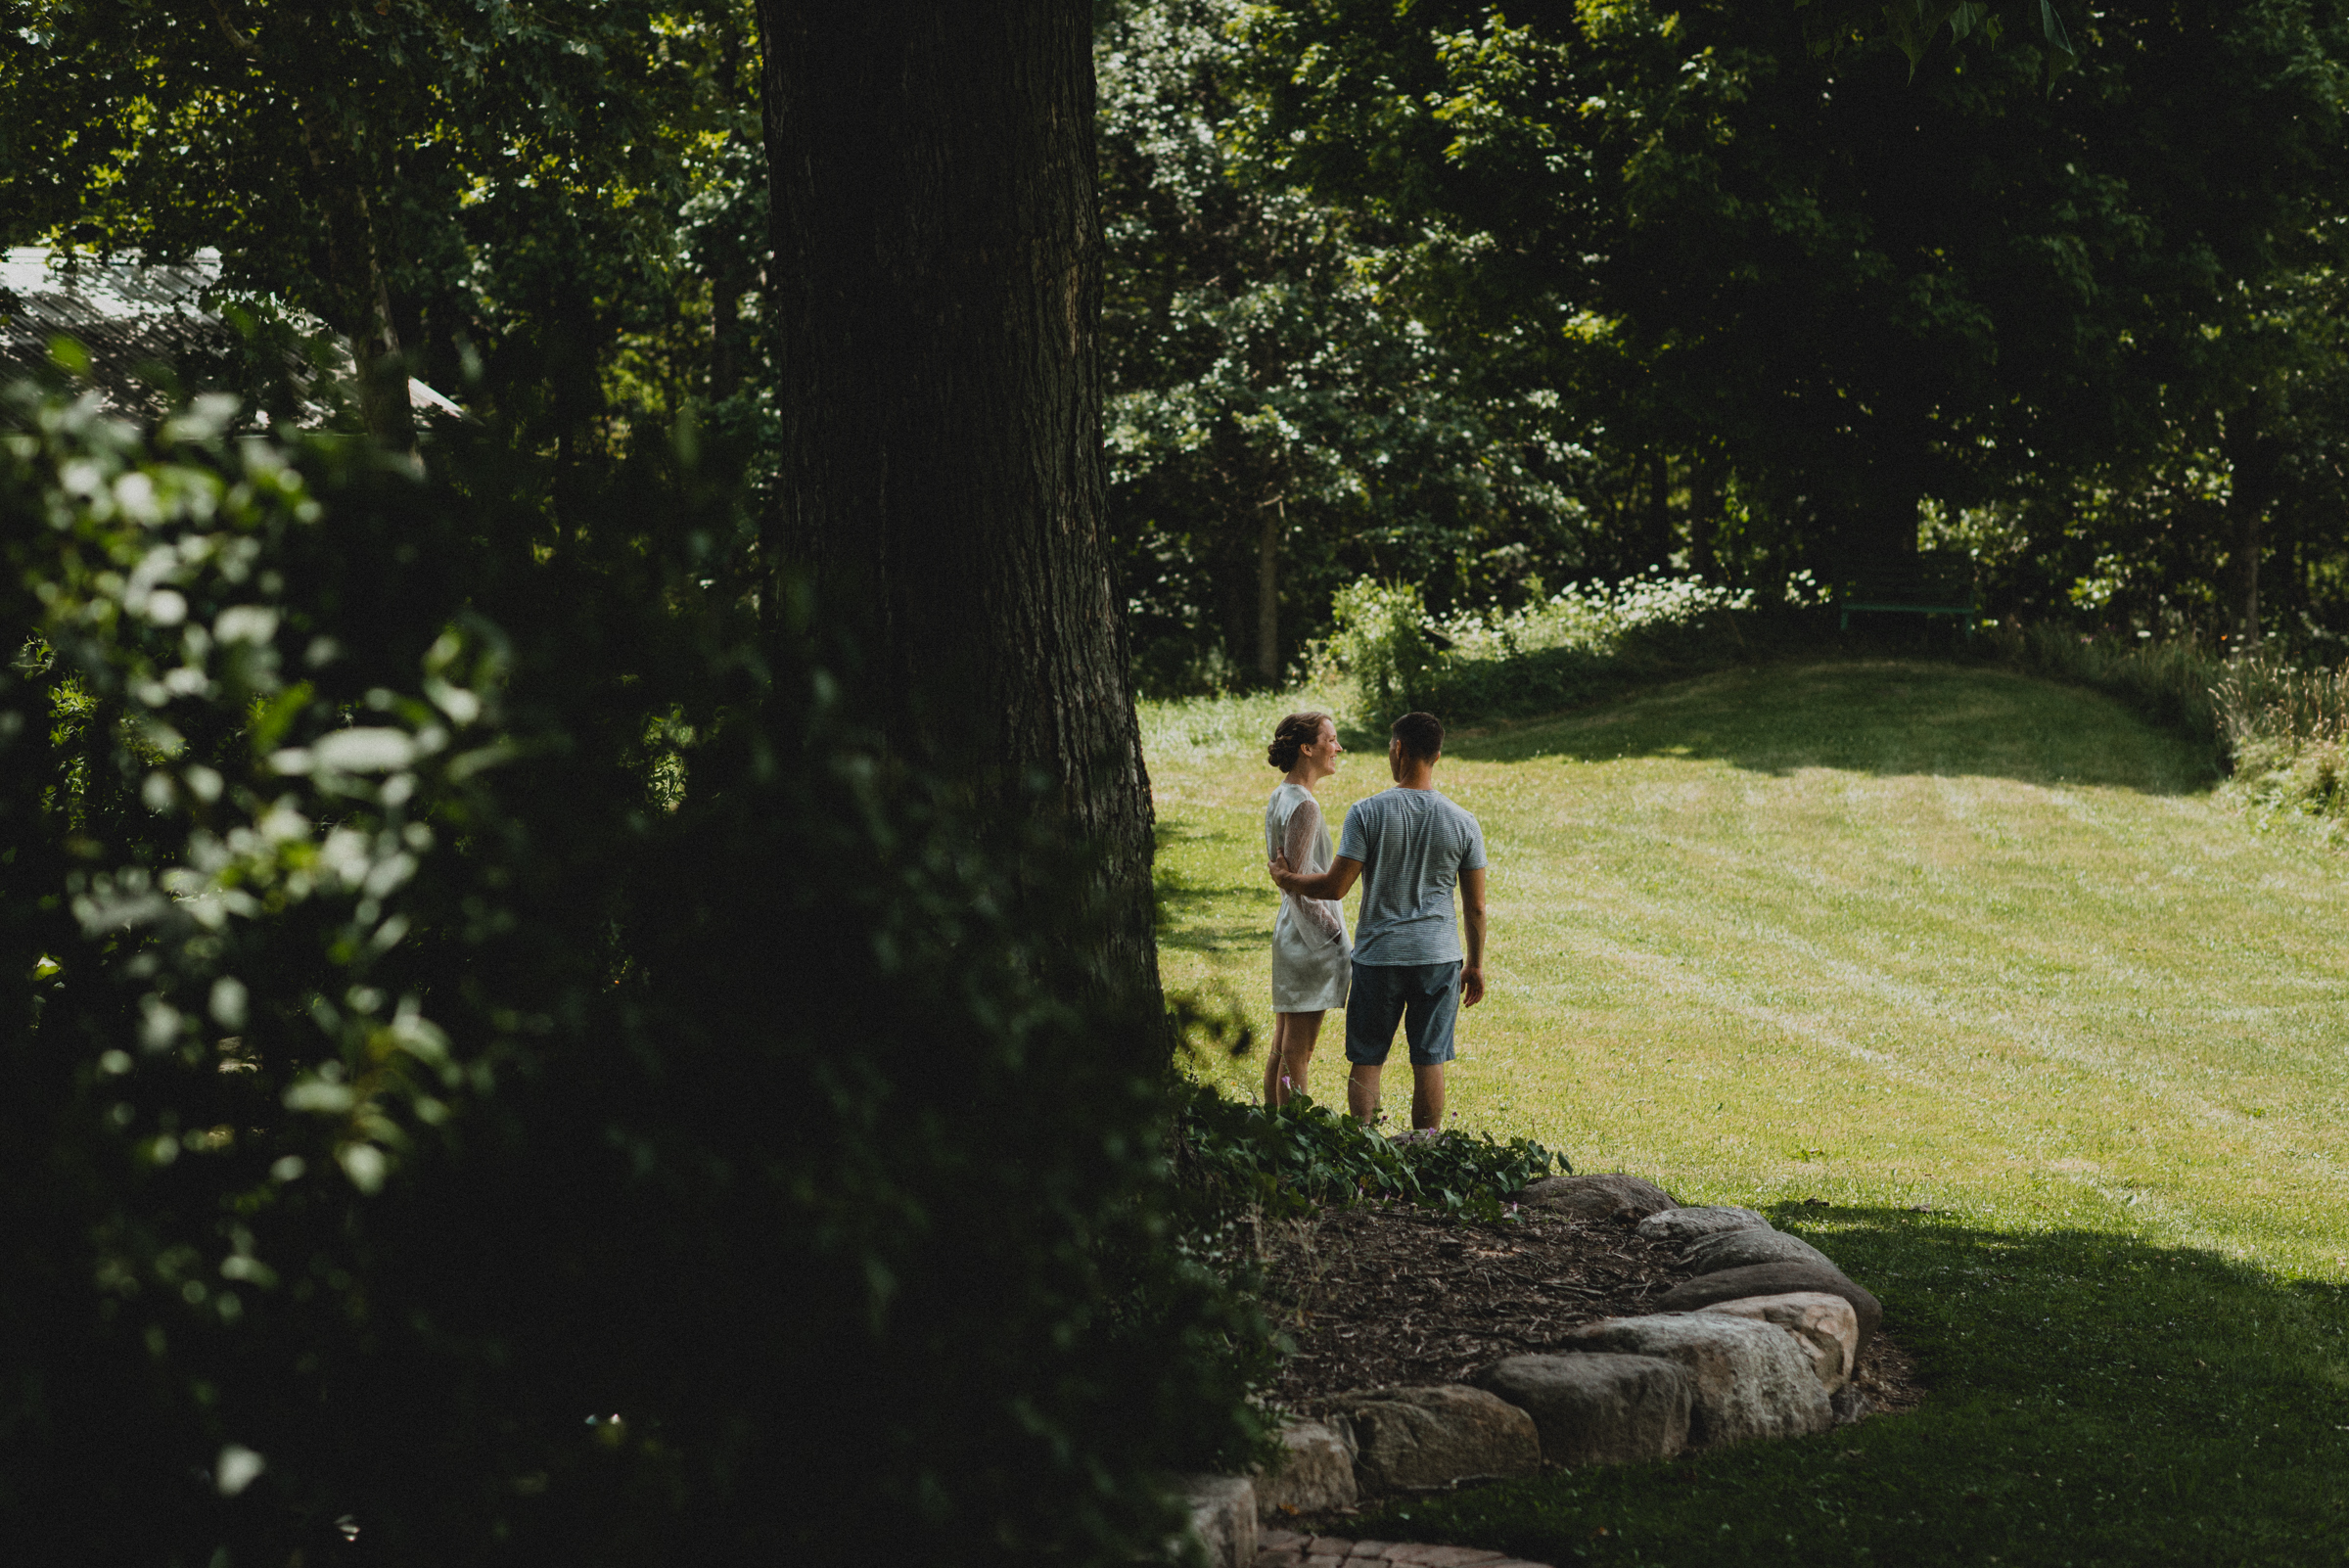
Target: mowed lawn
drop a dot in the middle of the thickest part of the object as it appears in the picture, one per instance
(1962, 974)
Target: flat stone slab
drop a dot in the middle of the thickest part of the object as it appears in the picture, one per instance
(1684, 1226)
(1596, 1409)
(1285, 1549)
(1747, 1379)
(1741, 1249)
(1411, 1438)
(1609, 1195)
(1774, 1279)
(1222, 1520)
(1825, 1325)
(1313, 1475)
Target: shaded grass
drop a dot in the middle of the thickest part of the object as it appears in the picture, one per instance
(2098, 1400)
(1891, 934)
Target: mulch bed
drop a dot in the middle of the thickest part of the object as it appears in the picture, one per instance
(1378, 1296)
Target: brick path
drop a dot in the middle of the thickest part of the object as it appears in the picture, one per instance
(1285, 1549)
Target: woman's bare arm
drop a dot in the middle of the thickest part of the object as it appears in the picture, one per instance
(1304, 826)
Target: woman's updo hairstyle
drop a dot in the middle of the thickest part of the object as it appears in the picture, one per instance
(1294, 734)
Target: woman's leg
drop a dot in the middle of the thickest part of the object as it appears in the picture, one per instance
(1298, 1046)
(1292, 1055)
(1276, 1059)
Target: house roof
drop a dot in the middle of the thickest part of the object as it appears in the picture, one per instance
(130, 315)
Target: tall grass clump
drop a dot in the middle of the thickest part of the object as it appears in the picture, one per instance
(2287, 729)
(2279, 728)
(1389, 655)
(2170, 680)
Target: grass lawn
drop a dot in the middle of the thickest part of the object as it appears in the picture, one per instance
(1962, 976)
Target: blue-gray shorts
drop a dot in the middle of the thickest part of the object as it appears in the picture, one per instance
(1424, 998)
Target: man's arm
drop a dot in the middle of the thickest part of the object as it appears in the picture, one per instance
(1333, 883)
(1472, 914)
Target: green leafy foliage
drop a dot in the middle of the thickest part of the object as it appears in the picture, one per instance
(1558, 651)
(1805, 291)
(1288, 1159)
(492, 1054)
(555, 209)
(1286, 410)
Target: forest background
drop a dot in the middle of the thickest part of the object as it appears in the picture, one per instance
(1480, 302)
(397, 810)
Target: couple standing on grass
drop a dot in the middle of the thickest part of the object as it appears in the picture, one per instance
(1409, 847)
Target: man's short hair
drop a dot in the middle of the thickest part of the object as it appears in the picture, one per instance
(1422, 736)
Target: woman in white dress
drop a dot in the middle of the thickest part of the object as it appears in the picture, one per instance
(1311, 960)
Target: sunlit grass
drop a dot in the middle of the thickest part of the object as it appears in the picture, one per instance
(1902, 937)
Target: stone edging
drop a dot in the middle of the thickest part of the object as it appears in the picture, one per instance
(1759, 1342)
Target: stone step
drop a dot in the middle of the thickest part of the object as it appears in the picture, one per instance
(1286, 1549)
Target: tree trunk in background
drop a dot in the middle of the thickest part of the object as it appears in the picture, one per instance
(938, 260)
(2250, 460)
(1659, 512)
(1704, 513)
(1267, 592)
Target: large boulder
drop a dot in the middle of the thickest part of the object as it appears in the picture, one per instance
(1596, 1409)
(1747, 1379)
(1407, 1438)
(1774, 1279)
(1740, 1249)
(1610, 1196)
(1684, 1226)
(1314, 1474)
(1222, 1509)
(1825, 1325)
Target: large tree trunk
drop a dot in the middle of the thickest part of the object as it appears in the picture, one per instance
(938, 250)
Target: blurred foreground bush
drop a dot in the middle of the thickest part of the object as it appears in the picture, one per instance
(495, 1067)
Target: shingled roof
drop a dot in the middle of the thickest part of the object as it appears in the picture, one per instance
(131, 315)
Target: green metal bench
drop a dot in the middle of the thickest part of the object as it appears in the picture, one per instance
(1968, 614)
(1928, 584)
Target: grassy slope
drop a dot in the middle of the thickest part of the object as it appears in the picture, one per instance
(1889, 936)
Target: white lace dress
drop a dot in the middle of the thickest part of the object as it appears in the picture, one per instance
(1312, 960)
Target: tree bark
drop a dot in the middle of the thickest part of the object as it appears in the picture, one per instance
(1704, 514)
(1659, 511)
(1268, 590)
(2250, 462)
(938, 251)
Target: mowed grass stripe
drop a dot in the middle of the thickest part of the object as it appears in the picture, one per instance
(1892, 935)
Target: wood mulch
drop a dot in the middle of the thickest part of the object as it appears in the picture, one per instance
(1380, 1296)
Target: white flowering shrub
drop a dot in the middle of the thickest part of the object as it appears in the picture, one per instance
(1592, 619)
(1392, 655)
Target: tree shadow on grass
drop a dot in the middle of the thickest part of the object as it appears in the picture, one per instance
(2094, 1399)
(1884, 717)
(1185, 907)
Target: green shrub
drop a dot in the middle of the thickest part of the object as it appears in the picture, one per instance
(1575, 645)
(1285, 1160)
(490, 1053)
(1381, 648)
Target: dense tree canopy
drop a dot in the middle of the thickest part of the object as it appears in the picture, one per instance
(1858, 287)
(1742, 289)
(566, 196)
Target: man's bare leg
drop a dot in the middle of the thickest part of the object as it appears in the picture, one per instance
(1362, 1093)
(1427, 1096)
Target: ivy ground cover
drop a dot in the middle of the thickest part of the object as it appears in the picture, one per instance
(1967, 977)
